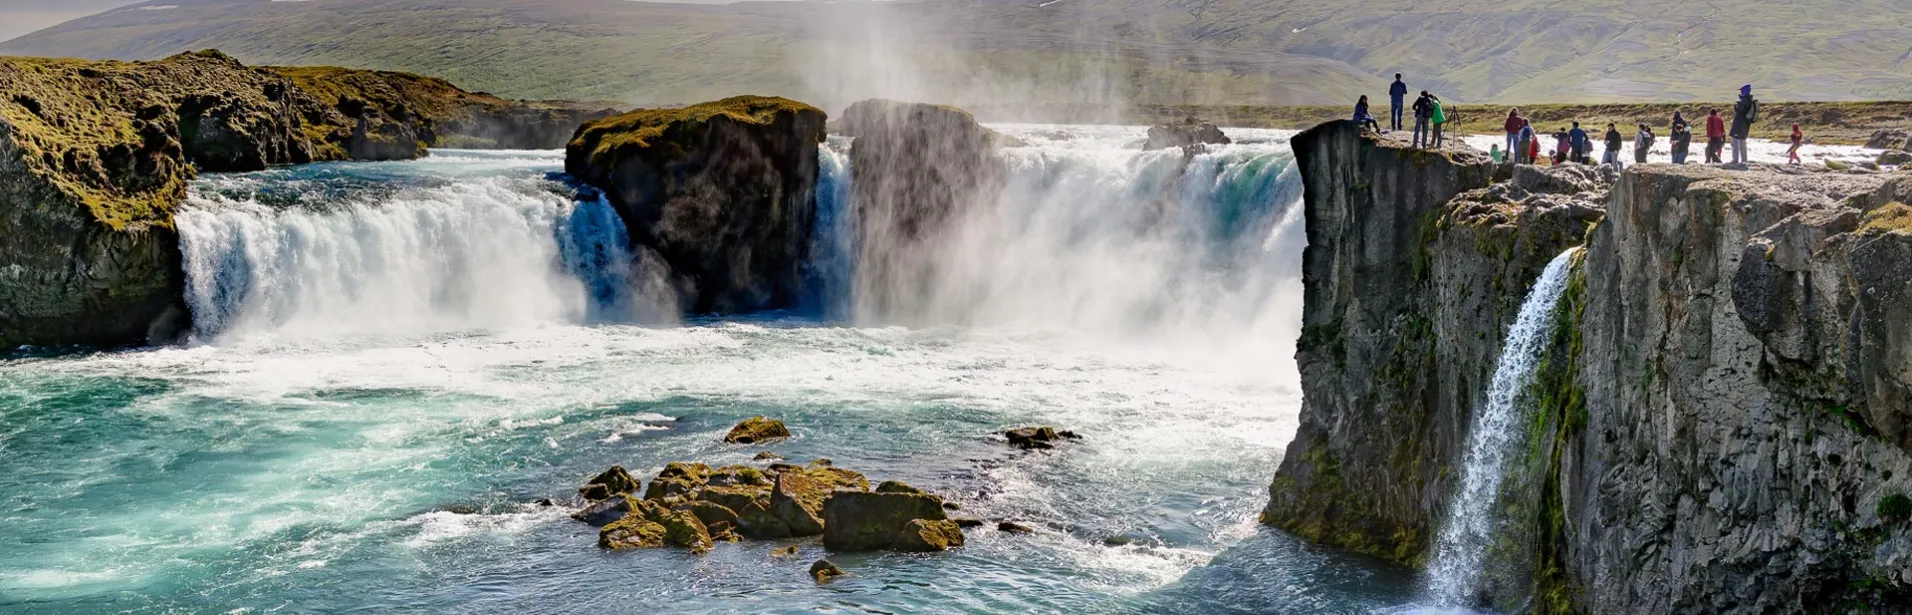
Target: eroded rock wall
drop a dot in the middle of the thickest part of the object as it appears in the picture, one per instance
(1719, 423)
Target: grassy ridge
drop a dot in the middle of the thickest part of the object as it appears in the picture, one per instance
(1145, 52)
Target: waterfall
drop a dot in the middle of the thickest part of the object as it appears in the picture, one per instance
(1093, 234)
(1463, 543)
(830, 272)
(400, 248)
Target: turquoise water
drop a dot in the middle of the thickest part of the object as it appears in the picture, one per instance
(395, 359)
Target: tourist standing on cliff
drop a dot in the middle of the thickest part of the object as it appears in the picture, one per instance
(1423, 110)
(1678, 120)
(1715, 135)
(1745, 112)
(1614, 140)
(1397, 93)
(1438, 117)
(1362, 116)
(1527, 144)
(1682, 140)
(1798, 139)
(1643, 143)
(1581, 143)
(1514, 122)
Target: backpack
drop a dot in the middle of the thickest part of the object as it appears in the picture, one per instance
(1752, 111)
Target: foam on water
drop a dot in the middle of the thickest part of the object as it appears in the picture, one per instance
(397, 357)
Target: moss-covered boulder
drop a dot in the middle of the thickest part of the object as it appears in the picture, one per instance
(677, 480)
(800, 493)
(652, 525)
(756, 429)
(603, 512)
(887, 519)
(824, 571)
(613, 481)
(724, 192)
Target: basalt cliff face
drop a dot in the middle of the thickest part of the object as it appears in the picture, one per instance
(96, 156)
(1718, 424)
(723, 192)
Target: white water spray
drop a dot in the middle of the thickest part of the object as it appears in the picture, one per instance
(1456, 567)
(473, 253)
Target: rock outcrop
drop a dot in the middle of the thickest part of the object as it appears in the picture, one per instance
(1189, 134)
(96, 156)
(915, 169)
(724, 192)
(894, 517)
(1719, 423)
(755, 430)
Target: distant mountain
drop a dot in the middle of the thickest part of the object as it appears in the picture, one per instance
(1053, 51)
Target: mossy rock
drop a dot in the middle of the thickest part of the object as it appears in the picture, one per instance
(614, 481)
(862, 521)
(677, 480)
(824, 571)
(927, 536)
(756, 429)
(660, 135)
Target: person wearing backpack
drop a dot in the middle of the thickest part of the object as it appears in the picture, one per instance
(1529, 143)
(1423, 109)
(1642, 144)
(1745, 113)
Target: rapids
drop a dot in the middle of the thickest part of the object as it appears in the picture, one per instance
(393, 360)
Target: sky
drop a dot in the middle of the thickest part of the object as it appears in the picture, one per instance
(19, 17)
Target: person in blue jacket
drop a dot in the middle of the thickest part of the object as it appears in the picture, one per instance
(1579, 142)
(1361, 115)
(1397, 94)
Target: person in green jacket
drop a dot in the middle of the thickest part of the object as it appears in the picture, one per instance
(1439, 117)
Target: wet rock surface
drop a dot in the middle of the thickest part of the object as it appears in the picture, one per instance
(757, 429)
(1189, 134)
(723, 192)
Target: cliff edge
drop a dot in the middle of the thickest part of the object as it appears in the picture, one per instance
(1718, 421)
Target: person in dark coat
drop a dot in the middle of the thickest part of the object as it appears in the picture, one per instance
(1423, 115)
(1745, 113)
(1682, 141)
(1361, 115)
(1614, 141)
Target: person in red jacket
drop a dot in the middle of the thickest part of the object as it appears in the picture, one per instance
(1715, 135)
(1514, 122)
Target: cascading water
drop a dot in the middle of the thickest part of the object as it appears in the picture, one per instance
(1094, 234)
(1456, 566)
(400, 248)
(831, 270)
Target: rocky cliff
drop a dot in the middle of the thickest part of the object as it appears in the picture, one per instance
(914, 168)
(724, 192)
(95, 157)
(1718, 424)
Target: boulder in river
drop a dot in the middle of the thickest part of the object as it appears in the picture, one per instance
(1039, 437)
(1190, 134)
(904, 519)
(602, 513)
(824, 571)
(650, 525)
(756, 429)
(614, 481)
(1895, 158)
(724, 192)
(1891, 140)
(800, 493)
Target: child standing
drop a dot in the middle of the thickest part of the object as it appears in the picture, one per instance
(1792, 153)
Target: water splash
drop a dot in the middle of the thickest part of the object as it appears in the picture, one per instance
(1456, 567)
(1093, 234)
(401, 249)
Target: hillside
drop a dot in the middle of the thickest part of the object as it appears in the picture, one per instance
(1061, 51)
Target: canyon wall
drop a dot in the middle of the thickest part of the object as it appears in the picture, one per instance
(1719, 422)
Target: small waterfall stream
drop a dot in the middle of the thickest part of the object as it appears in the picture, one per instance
(1456, 567)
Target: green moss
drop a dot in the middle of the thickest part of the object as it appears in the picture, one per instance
(1895, 508)
(1895, 217)
(655, 135)
(1426, 230)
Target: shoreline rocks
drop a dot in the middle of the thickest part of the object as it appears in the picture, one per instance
(1038, 438)
(756, 430)
(723, 192)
